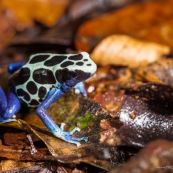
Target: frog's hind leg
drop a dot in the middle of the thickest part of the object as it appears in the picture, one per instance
(13, 67)
(9, 105)
(53, 95)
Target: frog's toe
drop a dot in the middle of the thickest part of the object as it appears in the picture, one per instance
(68, 137)
(80, 88)
(62, 126)
(2, 120)
(83, 139)
(76, 129)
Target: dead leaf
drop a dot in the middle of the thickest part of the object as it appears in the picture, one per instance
(157, 156)
(74, 111)
(124, 50)
(14, 164)
(110, 101)
(158, 72)
(149, 21)
(44, 11)
(7, 30)
(110, 73)
(80, 8)
(143, 121)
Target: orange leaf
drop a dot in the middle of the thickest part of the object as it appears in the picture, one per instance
(45, 11)
(151, 21)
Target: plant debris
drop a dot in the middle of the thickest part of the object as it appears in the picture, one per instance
(127, 114)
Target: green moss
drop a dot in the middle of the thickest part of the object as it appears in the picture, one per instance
(61, 111)
(70, 119)
(85, 120)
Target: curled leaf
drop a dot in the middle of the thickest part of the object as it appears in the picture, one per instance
(124, 50)
(80, 8)
(7, 29)
(160, 72)
(149, 21)
(156, 157)
(146, 114)
(74, 111)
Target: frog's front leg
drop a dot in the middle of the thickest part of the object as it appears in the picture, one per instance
(9, 105)
(53, 95)
(80, 86)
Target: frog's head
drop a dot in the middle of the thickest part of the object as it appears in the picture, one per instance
(76, 68)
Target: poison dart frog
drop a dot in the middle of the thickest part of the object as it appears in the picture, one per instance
(41, 81)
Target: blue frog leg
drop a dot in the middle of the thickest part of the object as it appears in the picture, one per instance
(53, 95)
(9, 105)
(80, 86)
(3, 101)
(13, 67)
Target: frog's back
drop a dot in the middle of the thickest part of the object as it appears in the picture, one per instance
(43, 71)
(34, 80)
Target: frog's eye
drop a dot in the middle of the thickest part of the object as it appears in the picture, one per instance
(81, 75)
(64, 75)
(70, 75)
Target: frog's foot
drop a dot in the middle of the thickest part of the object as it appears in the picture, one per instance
(14, 67)
(80, 88)
(67, 136)
(53, 95)
(2, 120)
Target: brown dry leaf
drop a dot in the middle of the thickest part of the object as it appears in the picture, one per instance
(156, 157)
(139, 20)
(124, 50)
(13, 164)
(45, 11)
(74, 111)
(80, 8)
(145, 118)
(7, 30)
(158, 72)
